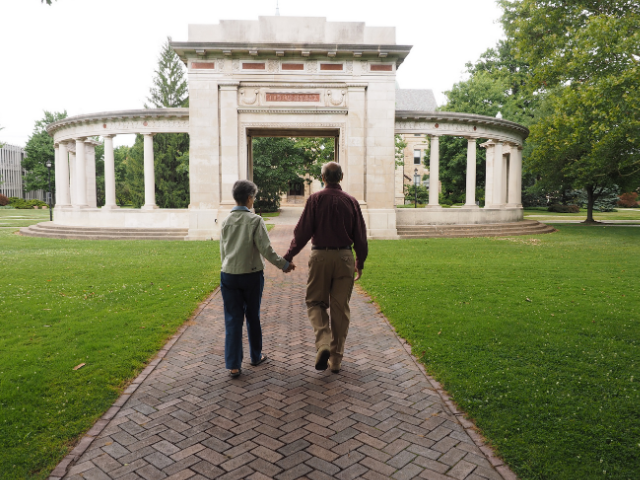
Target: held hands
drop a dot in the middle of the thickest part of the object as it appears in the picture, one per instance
(359, 274)
(291, 268)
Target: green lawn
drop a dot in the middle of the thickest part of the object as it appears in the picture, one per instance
(14, 217)
(537, 338)
(543, 214)
(108, 304)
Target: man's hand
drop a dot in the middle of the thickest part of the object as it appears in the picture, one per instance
(291, 268)
(359, 270)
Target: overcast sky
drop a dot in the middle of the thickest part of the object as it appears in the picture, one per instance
(97, 55)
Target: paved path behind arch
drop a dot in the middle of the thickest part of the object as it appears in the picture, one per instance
(381, 417)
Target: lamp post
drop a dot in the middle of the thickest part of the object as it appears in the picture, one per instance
(416, 184)
(50, 195)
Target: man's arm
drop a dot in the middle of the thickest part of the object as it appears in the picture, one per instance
(303, 231)
(360, 244)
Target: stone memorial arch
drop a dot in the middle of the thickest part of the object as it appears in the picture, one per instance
(284, 76)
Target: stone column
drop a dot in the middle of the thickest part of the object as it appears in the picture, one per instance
(62, 176)
(81, 174)
(488, 178)
(90, 158)
(109, 174)
(434, 173)
(72, 176)
(229, 151)
(498, 188)
(471, 174)
(149, 174)
(354, 165)
(506, 165)
(515, 177)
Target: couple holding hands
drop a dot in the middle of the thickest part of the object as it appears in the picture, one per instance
(333, 221)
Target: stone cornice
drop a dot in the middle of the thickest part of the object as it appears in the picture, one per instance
(182, 113)
(455, 117)
(200, 49)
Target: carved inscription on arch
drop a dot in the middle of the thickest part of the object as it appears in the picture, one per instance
(293, 97)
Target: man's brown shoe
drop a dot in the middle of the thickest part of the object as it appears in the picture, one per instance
(334, 369)
(322, 358)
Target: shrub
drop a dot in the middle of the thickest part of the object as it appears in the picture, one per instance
(410, 194)
(627, 200)
(556, 207)
(534, 199)
(4, 200)
(22, 204)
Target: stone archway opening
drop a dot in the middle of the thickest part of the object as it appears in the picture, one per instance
(304, 184)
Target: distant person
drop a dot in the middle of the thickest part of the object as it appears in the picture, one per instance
(333, 221)
(243, 242)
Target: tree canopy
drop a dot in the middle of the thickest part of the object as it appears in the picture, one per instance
(169, 84)
(585, 63)
(39, 150)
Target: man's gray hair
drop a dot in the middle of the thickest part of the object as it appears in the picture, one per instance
(242, 190)
(332, 172)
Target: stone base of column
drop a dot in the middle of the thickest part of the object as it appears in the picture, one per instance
(59, 205)
(473, 205)
(109, 207)
(204, 224)
(433, 207)
(497, 207)
(149, 207)
(514, 205)
(79, 207)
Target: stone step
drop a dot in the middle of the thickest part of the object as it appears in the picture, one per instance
(487, 226)
(50, 226)
(50, 230)
(461, 231)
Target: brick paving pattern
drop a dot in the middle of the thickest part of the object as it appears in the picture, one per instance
(380, 417)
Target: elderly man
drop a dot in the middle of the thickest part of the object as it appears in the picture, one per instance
(333, 221)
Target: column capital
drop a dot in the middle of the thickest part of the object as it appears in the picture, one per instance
(148, 134)
(56, 145)
(471, 139)
(108, 135)
(79, 139)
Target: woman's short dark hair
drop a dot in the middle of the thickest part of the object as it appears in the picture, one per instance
(242, 190)
(332, 172)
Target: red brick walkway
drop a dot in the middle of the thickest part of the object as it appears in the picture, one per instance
(381, 417)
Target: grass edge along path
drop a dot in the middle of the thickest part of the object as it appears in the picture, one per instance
(111, 305)
(536, 338)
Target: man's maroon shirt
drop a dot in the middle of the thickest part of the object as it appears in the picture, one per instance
(331, 218)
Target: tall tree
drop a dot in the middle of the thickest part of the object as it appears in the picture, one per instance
(317, 152)
(276, 163)
(39, 150)
(585, 57)
(169, 84)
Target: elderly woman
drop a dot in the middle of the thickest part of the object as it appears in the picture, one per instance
(243, 243)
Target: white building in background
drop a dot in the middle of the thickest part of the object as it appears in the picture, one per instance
(11, 174)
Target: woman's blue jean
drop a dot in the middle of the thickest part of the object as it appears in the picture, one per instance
(242, 295)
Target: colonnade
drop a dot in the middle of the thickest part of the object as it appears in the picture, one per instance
(503, 184)
(75, 171)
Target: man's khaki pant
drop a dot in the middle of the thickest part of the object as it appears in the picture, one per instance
(329, 287)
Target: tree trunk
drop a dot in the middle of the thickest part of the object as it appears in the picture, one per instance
(591, 200)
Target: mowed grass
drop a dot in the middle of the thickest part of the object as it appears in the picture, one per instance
(542, 214)
(536, 338)
(108, 304)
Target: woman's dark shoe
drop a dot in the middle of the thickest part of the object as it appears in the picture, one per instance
(235, 372)
(263, 358)
(322, 358)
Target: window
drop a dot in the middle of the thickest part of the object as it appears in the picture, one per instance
(416, 157)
